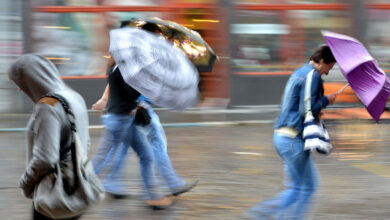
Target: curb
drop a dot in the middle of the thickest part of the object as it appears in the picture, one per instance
(189, 124)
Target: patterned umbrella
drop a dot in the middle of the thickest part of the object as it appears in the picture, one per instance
(187, 40)
(154, 68)
(363, 73)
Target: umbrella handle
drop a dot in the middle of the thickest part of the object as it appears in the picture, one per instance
(346, 85)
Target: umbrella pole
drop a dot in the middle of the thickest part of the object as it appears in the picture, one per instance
(346, 85)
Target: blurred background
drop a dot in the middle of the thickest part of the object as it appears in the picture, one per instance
(259, 42)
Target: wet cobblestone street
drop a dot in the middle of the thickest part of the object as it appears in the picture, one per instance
(237, 167)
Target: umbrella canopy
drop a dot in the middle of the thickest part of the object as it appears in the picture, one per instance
(362, 71)
(187, 40)
(154, 68)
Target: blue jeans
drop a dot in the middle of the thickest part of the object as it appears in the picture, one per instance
(301, 180)
(157, 140)
(152, 136)
(119, 130)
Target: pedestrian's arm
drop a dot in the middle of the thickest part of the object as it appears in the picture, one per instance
(318, 102)
(46, 148)
(100, 105)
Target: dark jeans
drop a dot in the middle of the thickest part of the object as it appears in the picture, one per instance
(39, 216)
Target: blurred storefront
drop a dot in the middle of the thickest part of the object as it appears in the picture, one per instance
(11, 46)
(259, 42)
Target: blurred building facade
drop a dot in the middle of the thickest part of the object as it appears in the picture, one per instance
(259, 42)
(11, 46)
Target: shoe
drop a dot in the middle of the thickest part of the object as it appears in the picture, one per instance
(159, 204)
(118, 196)
(183, 189)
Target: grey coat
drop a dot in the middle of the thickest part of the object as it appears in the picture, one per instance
(48, 130)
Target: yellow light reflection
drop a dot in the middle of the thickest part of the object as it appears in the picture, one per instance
(193, 50)
(344, 159)
(57, 58)
(188, 25)
(56, 27)
(205, 20)
(107, 57)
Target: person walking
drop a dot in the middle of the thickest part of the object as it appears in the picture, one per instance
(49, 134)
(150, 134)
(155, 137)
(300, 171)
(118, 120)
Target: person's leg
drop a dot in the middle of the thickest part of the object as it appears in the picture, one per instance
(308, 189)
(145, 155)
(117, 127)
(103, 152)
(298, 170)
(302, 173)
(113, 178)
(268, 208)
(157, 139)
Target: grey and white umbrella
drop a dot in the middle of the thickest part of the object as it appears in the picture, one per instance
(152, 66)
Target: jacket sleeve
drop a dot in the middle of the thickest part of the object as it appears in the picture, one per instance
(318, 101)
(45, 151)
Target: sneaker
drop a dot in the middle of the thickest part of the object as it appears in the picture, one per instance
(159, 204)
(183, 189)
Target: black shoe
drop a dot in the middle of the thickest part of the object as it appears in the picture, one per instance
(118, 196)
(187, 187)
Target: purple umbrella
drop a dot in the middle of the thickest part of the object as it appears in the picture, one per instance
(362, 71)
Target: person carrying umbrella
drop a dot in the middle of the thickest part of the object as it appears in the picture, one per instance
(151, 136)
(300, 170)
(118, 120)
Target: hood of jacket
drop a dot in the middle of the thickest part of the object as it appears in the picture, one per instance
(36, 76)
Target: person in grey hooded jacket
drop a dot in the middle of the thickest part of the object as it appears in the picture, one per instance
(48, 130)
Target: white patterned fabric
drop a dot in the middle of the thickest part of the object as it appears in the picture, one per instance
(315, 135)
(152, 66)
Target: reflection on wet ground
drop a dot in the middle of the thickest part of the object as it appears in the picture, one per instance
(357, 141)
(236, 167)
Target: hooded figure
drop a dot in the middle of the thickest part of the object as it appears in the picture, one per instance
(49, 130)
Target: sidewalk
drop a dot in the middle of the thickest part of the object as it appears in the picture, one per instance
(211, 116)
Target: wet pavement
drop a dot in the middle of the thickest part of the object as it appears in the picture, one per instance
(233, 115)
(236, 167)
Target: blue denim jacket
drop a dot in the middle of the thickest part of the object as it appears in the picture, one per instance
(292, 109)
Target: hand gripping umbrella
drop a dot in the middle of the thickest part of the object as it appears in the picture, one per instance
(362, 71)
(187, 40)
(154, 68)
